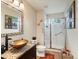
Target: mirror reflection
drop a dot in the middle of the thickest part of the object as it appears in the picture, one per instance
(11, 20)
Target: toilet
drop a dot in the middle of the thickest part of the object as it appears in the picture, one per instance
(40, 50)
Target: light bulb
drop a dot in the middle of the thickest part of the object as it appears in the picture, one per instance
(16, 3)
(22, 6)
(11, 1)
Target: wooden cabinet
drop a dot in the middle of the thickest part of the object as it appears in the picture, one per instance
(67, 56)
(30, 54)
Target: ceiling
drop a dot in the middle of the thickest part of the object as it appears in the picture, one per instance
(49, 6)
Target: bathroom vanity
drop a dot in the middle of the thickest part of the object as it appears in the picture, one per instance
(28, 51)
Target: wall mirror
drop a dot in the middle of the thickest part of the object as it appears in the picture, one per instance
(11, 20)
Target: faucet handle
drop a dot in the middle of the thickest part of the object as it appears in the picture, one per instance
(9, 38)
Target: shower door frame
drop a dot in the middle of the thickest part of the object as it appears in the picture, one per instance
(51, 35)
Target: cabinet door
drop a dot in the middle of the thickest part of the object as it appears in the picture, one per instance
(30, 54)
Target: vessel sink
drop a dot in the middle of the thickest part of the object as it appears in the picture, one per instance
(19, 43)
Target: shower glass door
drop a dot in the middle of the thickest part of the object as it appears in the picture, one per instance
(55, 33)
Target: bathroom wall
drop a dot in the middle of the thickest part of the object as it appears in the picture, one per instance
(56, 15)
(29, 23)
(39, 26)
(72, 35)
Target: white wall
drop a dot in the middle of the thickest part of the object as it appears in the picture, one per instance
(40, 32)
(56, 15)
(29, 23)
(72, 36)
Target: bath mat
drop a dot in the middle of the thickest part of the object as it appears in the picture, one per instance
(48, 56)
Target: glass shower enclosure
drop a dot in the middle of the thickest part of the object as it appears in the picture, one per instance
(55, 33)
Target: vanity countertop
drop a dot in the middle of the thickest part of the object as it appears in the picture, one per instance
(16, 53)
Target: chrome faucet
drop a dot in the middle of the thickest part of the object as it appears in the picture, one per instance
(6, 41)
(5, 47)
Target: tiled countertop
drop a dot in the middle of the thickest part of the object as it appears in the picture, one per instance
(14, 53)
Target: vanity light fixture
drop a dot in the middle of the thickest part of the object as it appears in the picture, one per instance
(21, 5)
(11, 1)
(16, 3)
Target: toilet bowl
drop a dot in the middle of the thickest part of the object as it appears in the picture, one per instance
(40, 50)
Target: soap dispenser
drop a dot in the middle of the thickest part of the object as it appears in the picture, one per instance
(33, 40)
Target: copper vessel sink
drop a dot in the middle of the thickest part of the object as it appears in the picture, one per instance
(19, 43)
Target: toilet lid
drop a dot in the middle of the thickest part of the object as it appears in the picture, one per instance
(40, 46)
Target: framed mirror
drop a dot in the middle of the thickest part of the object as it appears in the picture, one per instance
(11, 20)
